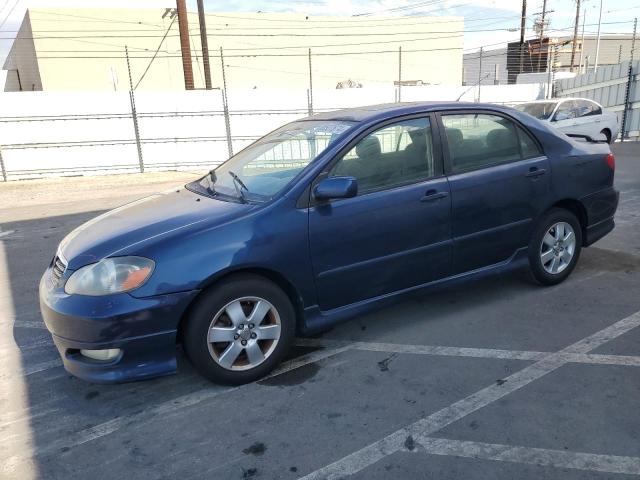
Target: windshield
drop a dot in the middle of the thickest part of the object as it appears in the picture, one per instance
(265, 167)
(540, 110)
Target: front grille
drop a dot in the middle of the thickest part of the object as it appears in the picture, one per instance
(58, 268)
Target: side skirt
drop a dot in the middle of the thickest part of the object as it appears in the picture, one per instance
(316, 320)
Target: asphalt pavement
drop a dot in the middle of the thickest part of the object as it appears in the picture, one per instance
(495, 379)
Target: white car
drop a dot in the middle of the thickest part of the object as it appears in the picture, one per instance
(578, 116)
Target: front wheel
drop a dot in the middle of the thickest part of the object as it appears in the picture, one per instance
(555, 246)
(239, 330)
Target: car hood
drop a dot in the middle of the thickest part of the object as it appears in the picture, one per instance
(125, 229)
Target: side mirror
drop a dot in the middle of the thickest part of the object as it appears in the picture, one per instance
(564, 115)
(336, 187)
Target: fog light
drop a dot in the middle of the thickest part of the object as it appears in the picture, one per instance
(103, 355)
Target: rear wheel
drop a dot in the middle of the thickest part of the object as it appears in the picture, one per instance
(607, 134)
(555, 246)
(239, 330)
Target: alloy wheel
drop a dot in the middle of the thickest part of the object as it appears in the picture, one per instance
(558, 247)
(244, 333)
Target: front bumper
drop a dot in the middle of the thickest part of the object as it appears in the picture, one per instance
(144, 329)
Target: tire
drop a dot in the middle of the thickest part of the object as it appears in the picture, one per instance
(552, 261)
(607, 135)
(224, 309)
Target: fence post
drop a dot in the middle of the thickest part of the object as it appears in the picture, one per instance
(627, 93)
(310, 97)
(550, 76)
(4, 171)
(400, 74)
(225, 106)
(134, 114)
(479, 73)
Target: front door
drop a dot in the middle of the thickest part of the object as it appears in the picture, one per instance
(394, 234)
(500, 182)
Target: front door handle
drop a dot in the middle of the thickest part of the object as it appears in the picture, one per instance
(535, 172)
(432, 195)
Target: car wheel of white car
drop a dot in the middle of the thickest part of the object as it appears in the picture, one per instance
(607, 134)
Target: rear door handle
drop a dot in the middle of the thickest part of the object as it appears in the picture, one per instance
(432, 195)
(535, 172)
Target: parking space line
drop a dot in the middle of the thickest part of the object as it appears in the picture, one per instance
(472, 352)
(529, 455)
(426, 349)
(426, 426)
(170, 406)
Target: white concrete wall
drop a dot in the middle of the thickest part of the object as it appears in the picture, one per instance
(77, 133)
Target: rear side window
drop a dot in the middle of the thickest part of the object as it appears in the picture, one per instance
(585, 108)
(478, 140)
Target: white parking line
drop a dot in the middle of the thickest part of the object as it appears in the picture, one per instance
(426, 349)
(534, 456)
(426, 426)
(632, 361)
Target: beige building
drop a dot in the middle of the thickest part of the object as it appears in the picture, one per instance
(84, 49)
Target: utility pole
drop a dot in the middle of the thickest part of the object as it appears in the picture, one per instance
(523, 22)
(584, 18)
(575, 36)
(183, 24)
(204, 43)
(541, 30)
(595, 64)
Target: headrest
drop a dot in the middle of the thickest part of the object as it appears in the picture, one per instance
(501, 138)
(418, 136)
(454, 135)
(369, 147)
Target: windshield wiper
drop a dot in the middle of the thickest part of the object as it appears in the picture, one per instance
(239, 185)
(212, 180)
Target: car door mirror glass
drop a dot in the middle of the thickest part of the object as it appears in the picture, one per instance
(336, 187)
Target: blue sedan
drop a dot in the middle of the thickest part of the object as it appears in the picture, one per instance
(321, 220)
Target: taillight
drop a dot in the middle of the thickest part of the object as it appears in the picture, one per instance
(611, 161)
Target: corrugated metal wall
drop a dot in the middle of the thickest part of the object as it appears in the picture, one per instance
(608, 87)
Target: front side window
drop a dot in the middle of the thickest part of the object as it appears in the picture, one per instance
(566, 111)
(397, 154)
(477, 140)
(265, 167)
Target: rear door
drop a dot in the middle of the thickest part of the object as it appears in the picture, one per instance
(588, 118)
(500, 182)
(395, 234)
(564, 119)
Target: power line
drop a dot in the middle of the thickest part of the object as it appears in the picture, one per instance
(305, 27)
(257, 56)
(9, 14)
(156, 52)
(262, 35)
(402, 8)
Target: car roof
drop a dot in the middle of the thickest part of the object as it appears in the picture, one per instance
(558, 100)
(390, 110)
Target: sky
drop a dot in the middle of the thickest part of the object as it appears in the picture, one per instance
(481, 14)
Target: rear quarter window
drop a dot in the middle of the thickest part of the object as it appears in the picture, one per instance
(479, 140)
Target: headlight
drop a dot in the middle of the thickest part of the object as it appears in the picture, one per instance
(111, 275)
